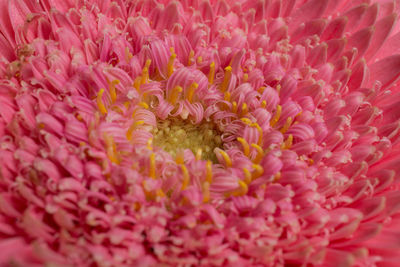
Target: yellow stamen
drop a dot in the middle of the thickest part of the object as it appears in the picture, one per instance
(247, 176)
(186, 178)
(199, 60)
(175, 92)
(191, 91)
(258, 171)
(211, 74)
(242, 190)
(263, 104)
(160, 193)
(244, 109)
(180, 159)
(225, 156)
(288, 142)
(227, 78)
(150, 144)
(206, 192)
(136, 83)
(277, 115)
(132, 128)
(152, 170)
(127, 104)
(199, 153)
(144, 105)
(145, 72)
(260, 153)
(277, 176)
(260, 132)
(170, 66)
(286, 125)
(227, 96)
(113, 92)
(128, 54)
(209, 172)
(234, 107)
(245, 77)
(261, 89)
(111, 148)
(247, 121)
(100, 103)
(246, 147)
(190, 59)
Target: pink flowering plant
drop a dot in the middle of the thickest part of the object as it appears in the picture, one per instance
(199, 133)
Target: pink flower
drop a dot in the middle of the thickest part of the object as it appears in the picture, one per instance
(199, 133)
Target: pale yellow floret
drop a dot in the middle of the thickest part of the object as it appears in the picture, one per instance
(247, 176)
(174, 94)
(287, 124)
(211, 74)
(258, 171)
(100, 103)
(260, 153)
(152, 169)
(113, 92)
(186, 177)
(245, 145)
(227, 79)
(276, 116)
(190, 58)
(133, 127)
(192, 89)
(209, 173)
(225, 156)
(170, 66)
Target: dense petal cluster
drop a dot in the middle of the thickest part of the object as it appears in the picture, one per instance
(199, 133)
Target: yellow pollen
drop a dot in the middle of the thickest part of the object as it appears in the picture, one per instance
(225, 156)
(263, 104)
(206, 192)
(132, 128)
(113, 92)
(276, 117)
(245, 77)
(245, 145)
(288, 142)
(258, 171)
(199, 60)
(170, 66)
(174, 94)
(242, 190)
(247, 176)
(152, 170)
(190, 58)
(111, 148)
(209, 171)
(211, 74)
(186, 178)
(234, 107)
(227, 78)
(287, 124)
(260, 153)
(261, 89)
(260, 132)
(191, 91)
(227, 96)
(100, 103)
(244, 109)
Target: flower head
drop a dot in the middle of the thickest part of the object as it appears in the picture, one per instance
(199, 133)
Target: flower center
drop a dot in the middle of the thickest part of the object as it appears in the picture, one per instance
(174, 135)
